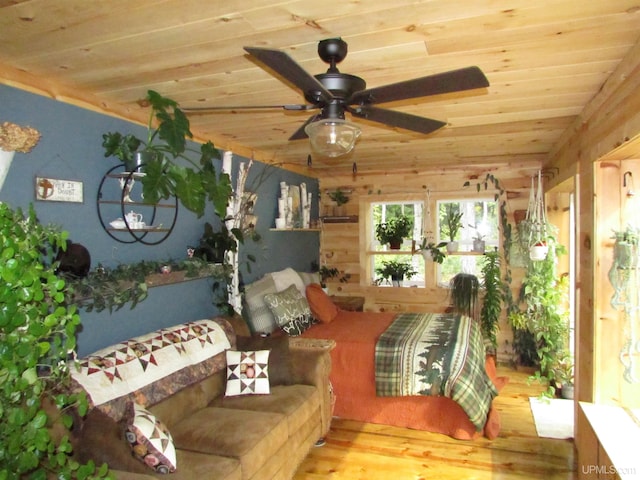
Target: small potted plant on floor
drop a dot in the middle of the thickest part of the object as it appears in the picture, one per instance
(451, 225)
(396, 271)
(394, 231)
(563, 374)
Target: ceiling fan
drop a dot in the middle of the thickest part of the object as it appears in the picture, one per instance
(335, 93)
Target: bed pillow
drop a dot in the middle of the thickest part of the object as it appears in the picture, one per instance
(286, 277)
(291, 310)
(256, 312)
(322, 307)
(309, 277)
(279, 358)
(150, 440)
(247, 373)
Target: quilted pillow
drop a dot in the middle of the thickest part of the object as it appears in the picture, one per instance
(247, 372)
(279, 358)
(256, 311)
(320, 304)
(290, 309)
(150, 440)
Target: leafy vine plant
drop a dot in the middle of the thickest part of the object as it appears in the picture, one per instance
(37, 330)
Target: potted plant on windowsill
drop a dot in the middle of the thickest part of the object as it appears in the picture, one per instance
(396, 271)
(432, 251)
(394, 231)
(451, 225)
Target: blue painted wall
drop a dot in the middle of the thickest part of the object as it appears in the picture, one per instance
(70, 148)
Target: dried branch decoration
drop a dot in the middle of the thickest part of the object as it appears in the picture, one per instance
(16, 138)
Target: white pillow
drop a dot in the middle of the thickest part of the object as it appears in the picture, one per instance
(286, 277)
(247, 372)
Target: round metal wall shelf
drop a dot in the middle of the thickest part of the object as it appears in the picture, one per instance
(116, 198)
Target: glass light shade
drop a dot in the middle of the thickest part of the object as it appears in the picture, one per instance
(332, 137)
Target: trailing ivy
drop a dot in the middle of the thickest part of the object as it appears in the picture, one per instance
(113, 288)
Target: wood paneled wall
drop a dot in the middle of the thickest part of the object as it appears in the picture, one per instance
(341, 244)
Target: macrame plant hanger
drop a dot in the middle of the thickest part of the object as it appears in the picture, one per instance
(537, 222)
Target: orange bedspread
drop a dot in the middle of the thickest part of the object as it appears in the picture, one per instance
(353, 379)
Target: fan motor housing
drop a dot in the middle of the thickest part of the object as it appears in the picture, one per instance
(341, 85)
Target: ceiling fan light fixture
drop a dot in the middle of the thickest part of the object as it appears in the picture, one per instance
(332, 137)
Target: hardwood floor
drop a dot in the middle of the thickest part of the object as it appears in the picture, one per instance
(359, 451)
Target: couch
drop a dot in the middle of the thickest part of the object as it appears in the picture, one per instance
(215, 435)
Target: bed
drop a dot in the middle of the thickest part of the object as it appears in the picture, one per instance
(354, 382)
(278, 302)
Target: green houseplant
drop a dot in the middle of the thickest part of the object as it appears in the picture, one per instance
(396, 271)
(169, 170)
(491, 306)
(393, 231)
(37, 330)
(464, 288)
(451, 224)
(432, 251)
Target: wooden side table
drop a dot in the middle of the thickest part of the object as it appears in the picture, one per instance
(352, 304)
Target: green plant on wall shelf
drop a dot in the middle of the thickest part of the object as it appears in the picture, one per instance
(338, 197)
(37, 332)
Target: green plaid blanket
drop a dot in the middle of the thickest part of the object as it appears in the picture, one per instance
(435, 354)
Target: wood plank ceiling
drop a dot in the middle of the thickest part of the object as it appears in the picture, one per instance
(544, 59)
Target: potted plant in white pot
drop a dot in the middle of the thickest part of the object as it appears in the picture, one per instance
(432, 251)
(394, 231)
(396, 271)
(451, 225)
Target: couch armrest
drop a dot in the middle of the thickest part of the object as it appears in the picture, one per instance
(311, 365)
(122, 475)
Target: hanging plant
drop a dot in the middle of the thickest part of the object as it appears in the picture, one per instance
(533, 231)
(464, 288)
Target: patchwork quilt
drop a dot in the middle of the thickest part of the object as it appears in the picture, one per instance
(435, 354)
(151, 367)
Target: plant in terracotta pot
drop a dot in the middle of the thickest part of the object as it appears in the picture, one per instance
(451, 224)
(37, 333)
(394, 231)
(396, 271)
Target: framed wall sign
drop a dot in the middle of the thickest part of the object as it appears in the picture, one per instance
(56, 190)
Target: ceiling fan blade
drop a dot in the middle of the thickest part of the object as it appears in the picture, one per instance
(299, 134)
(397, 119)
(453, 81)
(284, 65)
(294, 107)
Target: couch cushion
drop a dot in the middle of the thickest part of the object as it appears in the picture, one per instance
(256, 311)
(247, 372)
(297, 402)
(251, 437)
(150, 440)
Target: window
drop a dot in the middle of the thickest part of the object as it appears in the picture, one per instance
(479, 221)
(383, 212)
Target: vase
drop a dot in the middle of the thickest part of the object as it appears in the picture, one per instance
(452, 247)
(426, 255)
(396, 281)
(479, 246)
(5, 162)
